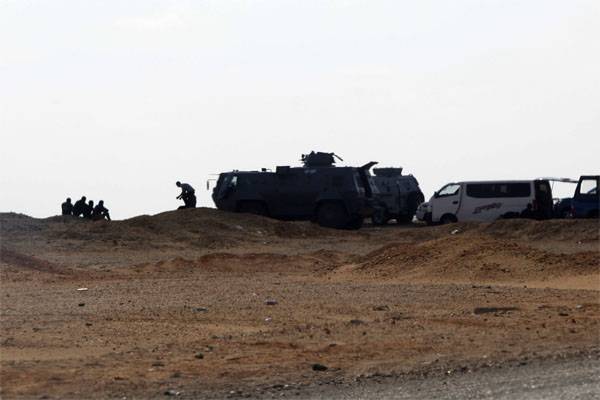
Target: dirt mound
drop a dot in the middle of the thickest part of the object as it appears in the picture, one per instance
(583, 230)
(13, 259)
(18, 267)
(227, 263)
(484, 253)
(215, 222)
(200, 227)
(567, 230)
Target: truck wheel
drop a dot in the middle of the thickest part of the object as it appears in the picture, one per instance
(253, 207)
(380, 217)
(448, 219)
(403, 219)
(332, 215)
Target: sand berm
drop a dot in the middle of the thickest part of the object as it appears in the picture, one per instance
(207, 303)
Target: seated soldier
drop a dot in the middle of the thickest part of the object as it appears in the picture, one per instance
(100, 212)
(87, 212)
(67, 207)
(79, 207)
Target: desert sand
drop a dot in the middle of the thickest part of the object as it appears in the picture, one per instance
(201, 303)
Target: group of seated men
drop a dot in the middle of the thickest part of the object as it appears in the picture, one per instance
(85, 210)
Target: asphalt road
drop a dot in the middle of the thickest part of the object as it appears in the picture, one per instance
(550, 379)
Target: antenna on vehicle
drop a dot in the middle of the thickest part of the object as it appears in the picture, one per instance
(338, 157)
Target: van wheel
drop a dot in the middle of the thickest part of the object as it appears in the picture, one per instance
(380, 217)
(332, 215)
(253, 207)
(448, 219)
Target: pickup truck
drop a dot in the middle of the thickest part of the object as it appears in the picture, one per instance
(586, 201)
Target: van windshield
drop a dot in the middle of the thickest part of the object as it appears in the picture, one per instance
(449, 190)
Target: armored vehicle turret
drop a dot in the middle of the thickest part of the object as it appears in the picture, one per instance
(397, 197)
(319, 159)
(336, 197)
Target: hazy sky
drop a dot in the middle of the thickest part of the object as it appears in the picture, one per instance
(119, 99)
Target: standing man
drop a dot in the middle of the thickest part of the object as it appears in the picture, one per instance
(79, 207)
(67, 207)
(188, 195)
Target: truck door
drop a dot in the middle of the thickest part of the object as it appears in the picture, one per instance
(586, 200)
(543, 199)
(445, 201)
(295, 197)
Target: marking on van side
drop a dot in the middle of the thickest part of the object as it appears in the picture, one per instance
(486, 207)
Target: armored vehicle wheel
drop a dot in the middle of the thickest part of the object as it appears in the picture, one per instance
(404, 219)
(380, 217)
(355, 223)
(253, 207)
(332, 215)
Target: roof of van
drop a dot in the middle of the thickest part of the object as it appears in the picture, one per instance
(504, 181)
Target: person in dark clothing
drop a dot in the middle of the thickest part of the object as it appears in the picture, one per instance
(79, 207)
(528, 212)
(67, 207)
(188, 195)
(89, 208)
(100, 212)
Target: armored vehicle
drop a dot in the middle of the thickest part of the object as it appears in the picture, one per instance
(398, 196)
(336, 197)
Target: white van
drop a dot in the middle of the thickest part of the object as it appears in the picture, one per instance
(490, 200)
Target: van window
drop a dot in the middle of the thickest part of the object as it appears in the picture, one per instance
(500, 189)
(449, 190)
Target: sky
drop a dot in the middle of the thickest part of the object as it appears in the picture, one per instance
(118, 100)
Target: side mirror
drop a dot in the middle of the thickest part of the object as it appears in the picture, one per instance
(208, 183)
(436, 194)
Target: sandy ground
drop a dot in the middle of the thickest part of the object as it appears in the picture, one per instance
(204, 303)
(576, 377)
